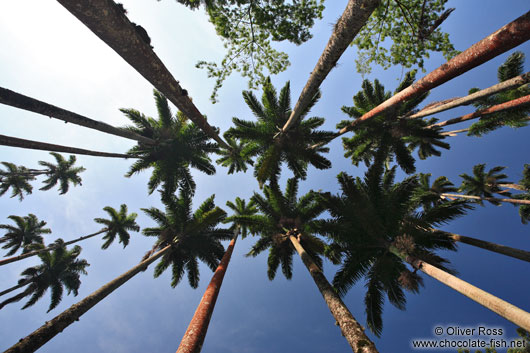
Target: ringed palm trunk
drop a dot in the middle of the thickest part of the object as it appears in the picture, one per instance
(196, 331)
(351, 329)
(52, 247)
(506, 310)
(51, 328)
(110, 24)
(350, 23)
(494, 199)
(21, 101)
(35, 145)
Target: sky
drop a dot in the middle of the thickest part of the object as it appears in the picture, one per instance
(49, 55)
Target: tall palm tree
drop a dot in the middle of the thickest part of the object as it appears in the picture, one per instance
(196, 331)
(179, 146)
(286, 225)
(392, 132)
(482, 183)
(273, 147)
(373, 214)
(28, 230)
(120, 223)
(179, 233)
(17, 178)
(63, 173)
(59, 269)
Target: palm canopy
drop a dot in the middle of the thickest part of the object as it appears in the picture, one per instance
(59, 269)
(524, 210)
(482, 183)
(392, 132)
(240, 208)
(119, 224)
(179, 146)
(369, 218)
(512, 67)
(429, 195)
(264, 139)
(192, 237)
(280, 215)
(17, 178)
(63, 173)
(27, 231)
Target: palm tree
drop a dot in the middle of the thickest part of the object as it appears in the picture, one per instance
(63, 173)
(192, 238)
(286, 225)
(17, 178)
(484, 184)
(392, 133)
(196, 331)
(272, 146)
(120, 223)
(179, 145)
(27, 231)
(59, 269)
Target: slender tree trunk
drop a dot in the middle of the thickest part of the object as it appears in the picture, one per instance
(51, 328)
(500, 249)
(504, 39)
(453, 133)
(497, 305)
(351, 329)
(513, 104)
(110, 24)
(500, 87)
(35, 145)
(15, 298)
(52, 247)
(18, 100)
(196, 331)
(512, 186)
(349, 24)
(494, 199)
(15, 287)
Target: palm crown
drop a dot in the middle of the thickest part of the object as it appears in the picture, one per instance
(191, 236)
(483, 184)
(63, 173)
(17, 178)
(120, 223)
(240, 208)
(28, 230)
(264, 139)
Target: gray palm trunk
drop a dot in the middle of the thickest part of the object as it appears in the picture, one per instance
(35, 145)
(481, 198)
(351, 329)
(21, 101)
(506, 310)
(349, 24)
(109, 23)
(49, 248)
(51, 328)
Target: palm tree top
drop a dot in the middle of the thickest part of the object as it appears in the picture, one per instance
(17, 178)
(26, 231)
(482, 183)
(63, 173)
(240, 208)
(120, 223)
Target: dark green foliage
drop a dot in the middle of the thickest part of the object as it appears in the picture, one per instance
(63, 173)
(247, 28)
(512, 67)
(430, 195)
(191, 236)
(264, 139)
(27, 231)
(240, 208)
(179, 146)
(120, 223)
(413, 28)
(60, 269)
(281, 214)
(17, 178)
(237, 157)
(369, 219)
(524, 210)
(484, 184)
(392, 133)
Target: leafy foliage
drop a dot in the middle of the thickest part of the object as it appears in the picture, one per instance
(63, 173)
(120, 223)
(484, 184)
(264, 139)
(17, 178)
(240, 208)
(27, 231)
(191, 236)
(524, 210)
(413, 28)
(512, 67)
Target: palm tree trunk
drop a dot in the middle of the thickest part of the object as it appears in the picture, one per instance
(52, 247)
(18, 100)
(35, 145)
(110, 24)
(504, 39)
(497, 305)
(494, 199)
(499, 87)
(196, 331)
(15, 298)
(351, 329)
(51, 328)
(500, 249)
(513, 104)
(349, 24)
(15, 287)
(453, 133)
(512, 186)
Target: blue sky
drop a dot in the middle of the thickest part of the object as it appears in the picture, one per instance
(49, 55)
